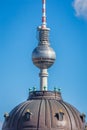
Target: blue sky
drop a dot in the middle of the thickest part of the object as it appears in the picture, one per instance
(68, 36)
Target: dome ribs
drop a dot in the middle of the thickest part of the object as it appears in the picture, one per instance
(51, 113)
(42, 115)
(74, 112)
(12, 122)
(47, 114)
(61, 102)
(47, 120)
(21, 113)
(39, 115)
(18, 115)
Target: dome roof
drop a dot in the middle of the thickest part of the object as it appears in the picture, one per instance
(42, 111)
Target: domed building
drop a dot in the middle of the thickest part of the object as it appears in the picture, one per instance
(44, 110)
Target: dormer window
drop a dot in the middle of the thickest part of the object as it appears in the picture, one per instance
(6, 115)
(82, 116)
(59, 116)
(27, 115)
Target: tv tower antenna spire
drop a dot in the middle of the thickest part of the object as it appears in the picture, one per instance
(43, 13)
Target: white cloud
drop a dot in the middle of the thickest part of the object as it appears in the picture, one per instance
(80, 7)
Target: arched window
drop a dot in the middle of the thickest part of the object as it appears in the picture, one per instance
(27, 115)
(82, 116)
(59, 116)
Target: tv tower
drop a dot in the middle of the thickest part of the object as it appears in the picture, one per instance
(43, 56)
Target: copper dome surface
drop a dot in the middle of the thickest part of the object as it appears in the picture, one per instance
(44, 108)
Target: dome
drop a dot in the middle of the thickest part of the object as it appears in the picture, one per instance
(44, 110)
